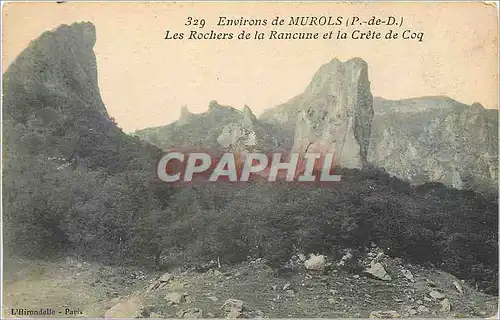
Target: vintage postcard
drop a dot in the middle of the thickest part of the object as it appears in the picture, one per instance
(249, 159)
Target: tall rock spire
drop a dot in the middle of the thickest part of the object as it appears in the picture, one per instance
(335, 113)
(60, 63)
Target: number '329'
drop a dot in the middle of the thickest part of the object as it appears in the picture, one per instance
(195, 22)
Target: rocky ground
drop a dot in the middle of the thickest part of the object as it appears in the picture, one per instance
(312, 287)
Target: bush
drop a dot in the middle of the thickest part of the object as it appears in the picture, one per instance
(456, 230)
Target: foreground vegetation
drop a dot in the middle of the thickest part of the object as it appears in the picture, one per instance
(127, 218)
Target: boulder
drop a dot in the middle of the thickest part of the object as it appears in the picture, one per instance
(407, 274)
(411, 311)
(445, 305)
(316, 263)
(458, 286)
(155, 315)
(161, 283)
(217, 273)
(233, 308)
(348, 256)
(437, 295)
(430, 283)
(174, 297)
(377, 271)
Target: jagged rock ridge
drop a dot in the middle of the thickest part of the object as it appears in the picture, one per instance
(426, 139)
(192, 130)
(219, 128)
(436, 139)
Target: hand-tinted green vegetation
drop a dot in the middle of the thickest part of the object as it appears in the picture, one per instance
(75, 184)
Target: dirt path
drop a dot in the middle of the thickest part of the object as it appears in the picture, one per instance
(84, 289)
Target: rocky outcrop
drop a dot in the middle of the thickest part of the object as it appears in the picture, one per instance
(436, 139)
(51, 88)
(247, 134)
(62, 65)
(185, 117)
(428, 139)
(221, 128)
(334, 113)
(194, 131)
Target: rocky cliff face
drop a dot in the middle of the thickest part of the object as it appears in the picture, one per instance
(52, 105)
(60, 64)
(428, 139)
(436, 139)
(247, 134)
(335, 113)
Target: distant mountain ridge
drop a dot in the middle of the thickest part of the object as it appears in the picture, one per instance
(436, 139)
(421, 139)
(219, 128)
(192, 130)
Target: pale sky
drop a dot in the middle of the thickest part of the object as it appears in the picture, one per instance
(144, 79)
